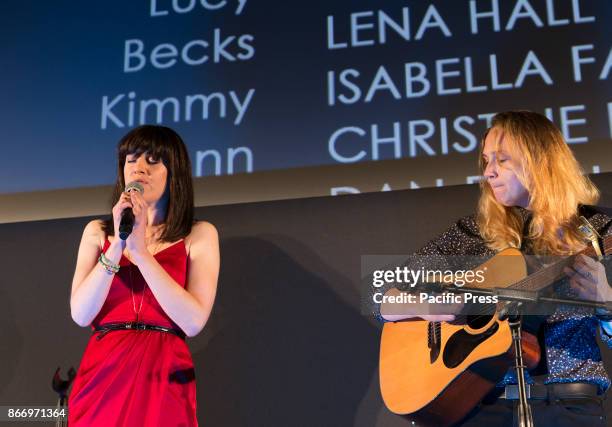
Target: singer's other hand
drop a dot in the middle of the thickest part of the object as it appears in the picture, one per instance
(136, 242)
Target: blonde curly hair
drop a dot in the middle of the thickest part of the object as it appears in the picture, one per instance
(551, 174)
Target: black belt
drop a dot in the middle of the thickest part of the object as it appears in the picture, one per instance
(139, 326)
(553, 391)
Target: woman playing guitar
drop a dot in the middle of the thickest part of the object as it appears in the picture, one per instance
(532, 198)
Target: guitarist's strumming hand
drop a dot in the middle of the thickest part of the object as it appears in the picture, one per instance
(588, 279)
(394, 312)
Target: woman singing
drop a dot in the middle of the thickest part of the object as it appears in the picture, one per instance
(143, 295)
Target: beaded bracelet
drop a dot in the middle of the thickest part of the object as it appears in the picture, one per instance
(108, 265)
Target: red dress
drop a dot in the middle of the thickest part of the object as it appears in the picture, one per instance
(136, 377)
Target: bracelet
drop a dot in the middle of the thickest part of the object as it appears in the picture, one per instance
(108, 265)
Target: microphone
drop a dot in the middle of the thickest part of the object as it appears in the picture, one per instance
(127, 216)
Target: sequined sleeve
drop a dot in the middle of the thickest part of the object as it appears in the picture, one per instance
(461, 238)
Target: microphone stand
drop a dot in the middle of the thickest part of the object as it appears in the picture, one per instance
(511, 312)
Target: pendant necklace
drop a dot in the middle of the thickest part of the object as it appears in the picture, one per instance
(144, 289)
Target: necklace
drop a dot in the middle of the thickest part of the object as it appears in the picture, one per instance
(144, 289)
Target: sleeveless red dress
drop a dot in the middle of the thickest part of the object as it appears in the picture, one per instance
(135, 377)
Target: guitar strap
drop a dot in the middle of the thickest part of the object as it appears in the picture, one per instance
(590, 229)
(589, 232)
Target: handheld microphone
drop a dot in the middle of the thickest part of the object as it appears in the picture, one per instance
(127, 216)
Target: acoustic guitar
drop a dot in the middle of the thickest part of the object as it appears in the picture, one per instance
(434, 373)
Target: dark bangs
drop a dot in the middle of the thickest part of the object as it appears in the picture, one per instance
(164, 144)
(147, 139)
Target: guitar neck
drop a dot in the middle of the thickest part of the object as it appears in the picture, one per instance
(554, 271)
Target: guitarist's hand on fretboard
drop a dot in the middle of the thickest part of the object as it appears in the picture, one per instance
(588, 279)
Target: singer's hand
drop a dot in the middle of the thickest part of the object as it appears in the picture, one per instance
(123, 203)
(136, 243)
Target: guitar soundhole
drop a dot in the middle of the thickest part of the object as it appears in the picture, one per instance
(461, 344)
(478, 321)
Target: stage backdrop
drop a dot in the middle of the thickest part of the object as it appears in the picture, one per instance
(286, 344)
(268, 85)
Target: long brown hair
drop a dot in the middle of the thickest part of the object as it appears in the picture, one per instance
(554, 179)
(165, 144)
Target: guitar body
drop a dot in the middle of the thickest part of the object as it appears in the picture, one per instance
(437, 382)
(469, 364)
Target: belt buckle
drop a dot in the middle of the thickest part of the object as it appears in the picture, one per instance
(139, 326)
